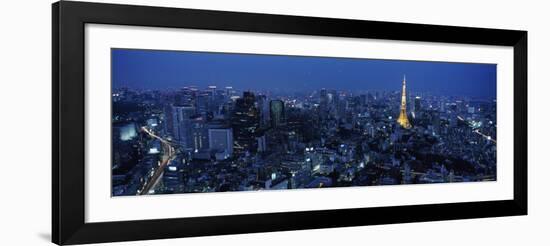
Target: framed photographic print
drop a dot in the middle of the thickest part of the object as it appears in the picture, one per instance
(176, 122)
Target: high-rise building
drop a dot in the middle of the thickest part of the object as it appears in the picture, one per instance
(277, 112)
(182, 124)
(333, 101)
(203, 103)
(436, 123)
(199, 134)
(363, 100)
(168, 119)
(125, 131)
(403, 120)
(172, 177)
(342, 105)
(218, 100)
(261, 141)
(417, 104)
(263, 107)
(185, 96)
(183, 112)
(245, 123)
(323, 103)
(221, 140)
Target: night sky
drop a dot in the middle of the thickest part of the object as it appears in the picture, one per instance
(151, 69)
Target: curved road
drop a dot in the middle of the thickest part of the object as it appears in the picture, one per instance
(166, 158)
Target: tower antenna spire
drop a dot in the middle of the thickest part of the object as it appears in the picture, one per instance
(403, 120)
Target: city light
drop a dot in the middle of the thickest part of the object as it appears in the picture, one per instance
(255, 135)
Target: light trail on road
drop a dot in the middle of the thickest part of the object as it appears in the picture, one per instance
(160, 169)
(478, 132)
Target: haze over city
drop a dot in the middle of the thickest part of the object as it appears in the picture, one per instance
(193, 122)
(146, 69)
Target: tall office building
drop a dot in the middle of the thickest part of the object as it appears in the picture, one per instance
(168, 119)
(261, 142)
(436, 123)
(442, 106)
(172, 177)
(185, 96)
(182, 124)
(203, 102)
(221, 140)
(263, 107)
(417, 106)
(245, 123)
(323, 103)
(341, 106)
(277, 112)
(199, 133)
(364, 99)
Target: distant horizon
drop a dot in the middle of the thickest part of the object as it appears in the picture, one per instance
(165, 70)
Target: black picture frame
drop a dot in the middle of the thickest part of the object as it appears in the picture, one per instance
(68, 122)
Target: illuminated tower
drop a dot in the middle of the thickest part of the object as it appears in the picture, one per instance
(403, 120)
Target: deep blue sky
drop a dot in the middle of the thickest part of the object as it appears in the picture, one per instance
(149, 69)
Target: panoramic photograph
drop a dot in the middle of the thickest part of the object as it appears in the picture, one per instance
(195, 122)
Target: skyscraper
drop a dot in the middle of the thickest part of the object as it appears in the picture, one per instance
(199, 133)
(245, 123)
(403, 120)
(417, 104)
(203, 101)
(182, 124)
(221, 140)
(277, 111)
(323, 103)
(168, 119)
(263, 107)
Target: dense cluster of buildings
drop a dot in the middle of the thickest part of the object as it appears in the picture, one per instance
(225, 139)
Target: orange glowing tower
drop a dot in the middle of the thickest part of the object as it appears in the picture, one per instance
(403, 120)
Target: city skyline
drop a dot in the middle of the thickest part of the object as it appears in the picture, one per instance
(167, 70)
(185, 139)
